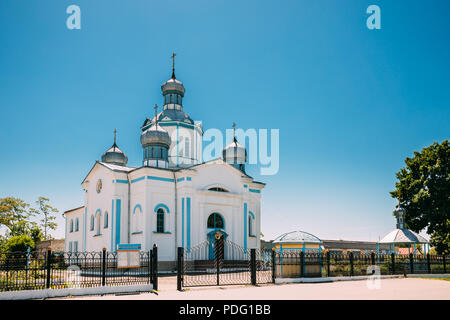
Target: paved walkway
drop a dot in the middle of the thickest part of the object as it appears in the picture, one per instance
(390, 289)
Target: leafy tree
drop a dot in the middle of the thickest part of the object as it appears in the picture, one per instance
(13, 211)
(48, 214)
(423, 189)
(19, 243)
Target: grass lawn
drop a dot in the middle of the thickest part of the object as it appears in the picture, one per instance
(446, 279)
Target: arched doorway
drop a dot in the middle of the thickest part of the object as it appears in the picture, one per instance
(216, 236)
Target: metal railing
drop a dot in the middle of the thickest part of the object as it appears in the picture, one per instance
(298, 264)
(59, 270)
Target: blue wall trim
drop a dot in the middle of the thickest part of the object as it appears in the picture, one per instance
(162, 205)
(118, 209)
(251, 213)
(138, 179)
(183, 178)
(122, 181)
(254, 190)
(182, 222)
(188, 217)
(245, 186)
(112, 225)
(245, 226)
(159, 178)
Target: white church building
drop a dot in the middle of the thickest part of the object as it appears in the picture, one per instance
(174, 199)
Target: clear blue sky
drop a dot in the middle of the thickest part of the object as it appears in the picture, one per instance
(351, 103)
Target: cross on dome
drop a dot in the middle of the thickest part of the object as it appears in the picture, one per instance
(173, 65)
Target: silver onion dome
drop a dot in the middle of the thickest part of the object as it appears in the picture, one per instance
(115, 156)
(173, 85)
(155, 135)
(234, 153)
(399, 210)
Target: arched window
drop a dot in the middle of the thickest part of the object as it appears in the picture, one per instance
(160, 220)
(136, 222)
(215, 220)
(218, 189)
(92, 222)
(105, 222)
(77, 224)
(71, 225)
(251, 222)
(98, 216)
(180, 146)
(186, 147)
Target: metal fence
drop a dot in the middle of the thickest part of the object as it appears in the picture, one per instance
(295, 264)
(58, 270)
(224, 264)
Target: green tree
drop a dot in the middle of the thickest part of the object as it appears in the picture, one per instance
(48, 216)
(423, 190)
(13, 213)
(19, 243)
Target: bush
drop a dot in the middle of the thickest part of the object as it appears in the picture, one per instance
(19, 244)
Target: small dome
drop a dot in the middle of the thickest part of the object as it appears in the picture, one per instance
(173, 85)
(297, 237)
(115, 156)
(155, 135)
(399, 210)
(234, 153)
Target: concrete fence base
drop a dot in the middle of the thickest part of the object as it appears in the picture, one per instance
(54, 293)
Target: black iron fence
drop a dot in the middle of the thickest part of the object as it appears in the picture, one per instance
(223, 263)
(59, 270)
(298, 264)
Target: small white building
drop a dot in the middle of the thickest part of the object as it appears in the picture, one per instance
(174, 199)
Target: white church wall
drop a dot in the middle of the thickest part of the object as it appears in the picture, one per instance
(98, 204)
(138, 206)
(74, 238)
(160, 194)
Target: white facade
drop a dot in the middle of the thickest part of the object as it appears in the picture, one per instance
(168, 207)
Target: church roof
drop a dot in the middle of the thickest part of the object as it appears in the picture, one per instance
(109, 166)
(115, 167)
(220, 160)
(168, 115)
(403, 236)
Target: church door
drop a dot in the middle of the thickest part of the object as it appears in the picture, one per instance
(220, 246)
(217, 244)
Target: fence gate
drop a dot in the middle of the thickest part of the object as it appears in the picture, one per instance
(222, 262)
